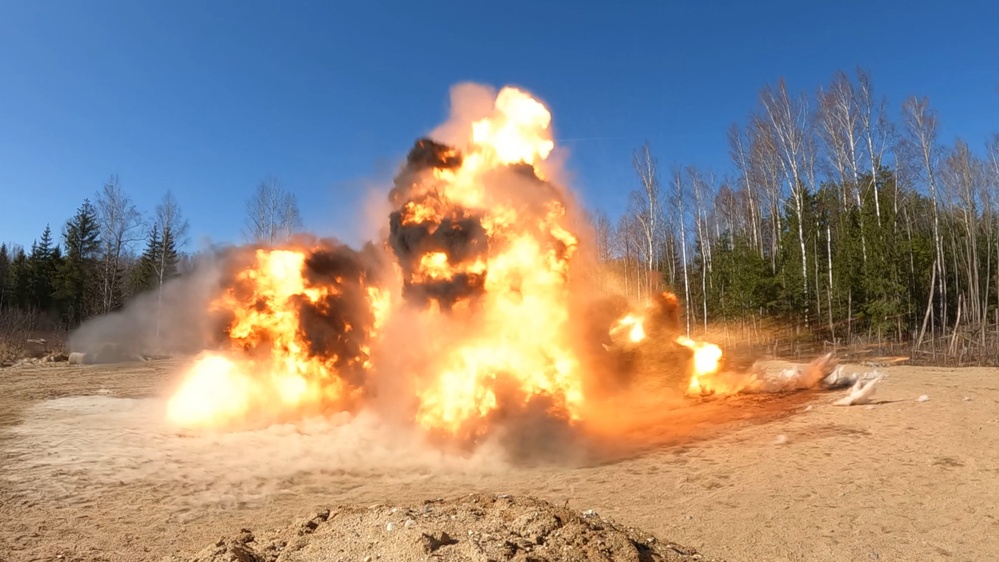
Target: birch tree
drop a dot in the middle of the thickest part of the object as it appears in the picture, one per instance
(701, 187)
(647, 203)
(992, 189)
(173, 228)
(921, 129)
(765, 163)
(120, 228)
(740, 153)
(788, 119)
(627, 238)
(272, 213)
(839, 128)
(678, 198)
(963, 177)
(838, 121)
(602, 232)
(876, 131)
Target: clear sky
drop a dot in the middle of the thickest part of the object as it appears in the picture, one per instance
(206, 97)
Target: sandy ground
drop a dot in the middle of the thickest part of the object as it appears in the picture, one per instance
(89, 471)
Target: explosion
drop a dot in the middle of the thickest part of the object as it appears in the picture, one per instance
(481, 242)
(663, 317)
(470, 293)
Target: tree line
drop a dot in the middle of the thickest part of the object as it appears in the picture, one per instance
(109, 252)
(838, 215)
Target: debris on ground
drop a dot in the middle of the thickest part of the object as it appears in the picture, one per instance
(863, 388)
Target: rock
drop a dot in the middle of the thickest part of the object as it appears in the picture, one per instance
(78, 358)
(36, 348)
(234, 550)
(434, 541)
(313, 523)
(56, 357)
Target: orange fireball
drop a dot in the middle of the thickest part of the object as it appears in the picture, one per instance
(273, 368)
(706, 362)
(510, 264)
(478, 309)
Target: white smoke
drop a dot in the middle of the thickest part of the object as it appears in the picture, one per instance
(169, 320)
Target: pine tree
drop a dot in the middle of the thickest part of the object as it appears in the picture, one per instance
(4, 274)
(20, 280)
(76, 286)
(149, 263)
(160, 260)
(44, 263)
(168, 258)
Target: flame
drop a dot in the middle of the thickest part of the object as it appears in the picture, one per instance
(270, 370)
(707, 358)
(482, 247)
(381, 307)
(632, 325)
(661, 316)
(517, 133)
(517, 339)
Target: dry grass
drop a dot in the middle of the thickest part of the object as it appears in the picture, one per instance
(17, 327)
(10, 351)
(773, 339)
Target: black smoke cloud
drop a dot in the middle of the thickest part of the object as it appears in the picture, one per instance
(453, 230)
(182, 318)
(338, 327)
(456, 232)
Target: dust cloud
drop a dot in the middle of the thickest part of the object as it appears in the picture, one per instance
(172, 320)
(120, 441)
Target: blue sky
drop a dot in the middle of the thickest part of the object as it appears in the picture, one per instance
(207, 97)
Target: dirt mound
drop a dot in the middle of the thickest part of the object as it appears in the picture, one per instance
(476, 527)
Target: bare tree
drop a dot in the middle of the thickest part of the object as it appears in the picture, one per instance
(730, 212)
(272, 213)
(121, 227)
(921, 126)
(678, 198)
(810, 161)
(876, 130)
(788, 119)
(647, 208)
(602, 232)
(993, 156)
(702, 188)
(991, 202)
(962, 177)
(740, 153)
(766, 165)
(839, 128)
(173, 228)
(628, 240)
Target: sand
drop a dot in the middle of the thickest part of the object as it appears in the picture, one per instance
(478, 527)
(89, 471)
